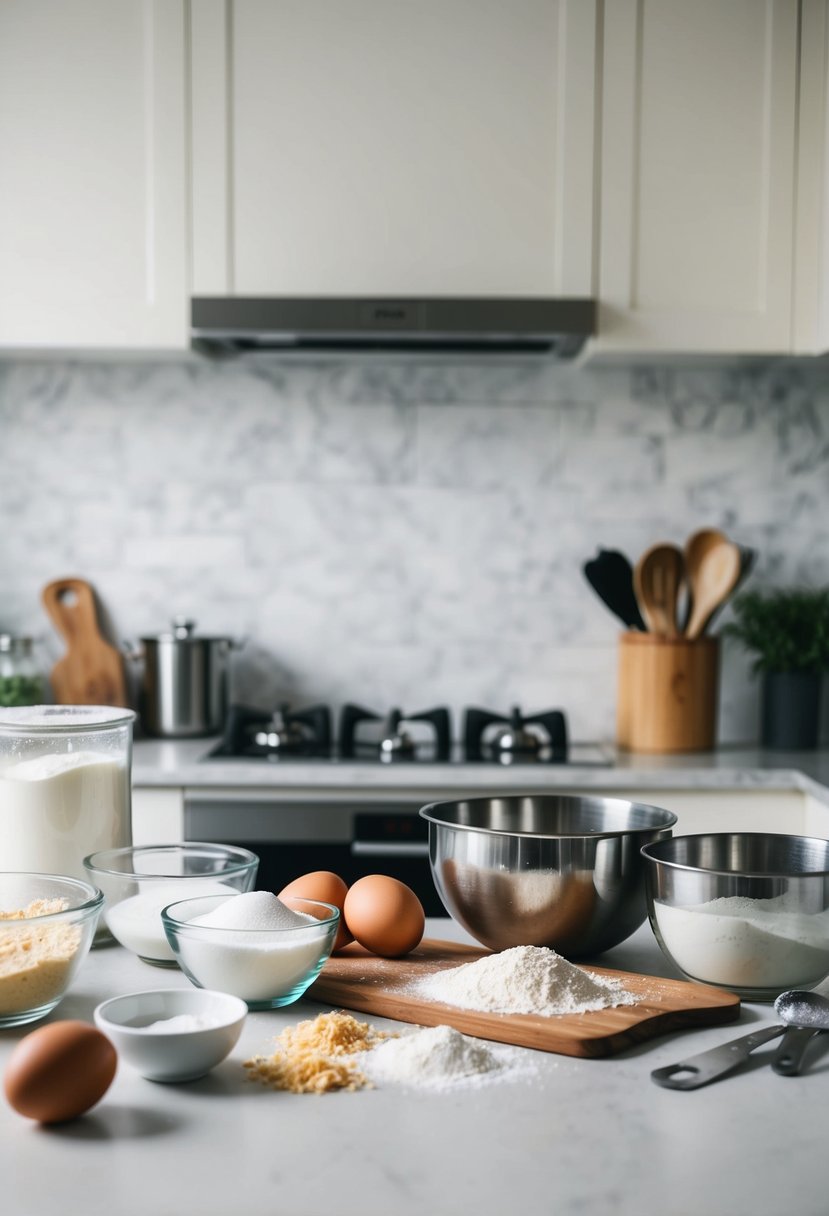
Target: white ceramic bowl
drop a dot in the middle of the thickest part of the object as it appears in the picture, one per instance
(177, 1054)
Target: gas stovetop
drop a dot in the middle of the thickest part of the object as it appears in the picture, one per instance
(364, 736)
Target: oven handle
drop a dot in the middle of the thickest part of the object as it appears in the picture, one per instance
(363, 848)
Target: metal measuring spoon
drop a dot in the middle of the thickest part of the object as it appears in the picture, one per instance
(717, 1062)
(805, 1014)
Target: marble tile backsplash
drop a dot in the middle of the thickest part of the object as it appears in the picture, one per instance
(403, 533)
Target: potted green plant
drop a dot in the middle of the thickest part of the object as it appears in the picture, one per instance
(788, 632)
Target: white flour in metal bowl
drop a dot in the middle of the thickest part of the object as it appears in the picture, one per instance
(751, 943)
(524, 979)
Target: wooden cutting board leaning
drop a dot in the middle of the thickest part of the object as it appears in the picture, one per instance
(366, 983)
(92, 671)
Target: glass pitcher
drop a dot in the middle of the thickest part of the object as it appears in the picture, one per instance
(65, 785)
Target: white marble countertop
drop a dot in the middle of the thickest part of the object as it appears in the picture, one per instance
(181, 763)
(580, 1136)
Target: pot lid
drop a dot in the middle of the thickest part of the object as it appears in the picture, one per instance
(14, 644)
(183, 629)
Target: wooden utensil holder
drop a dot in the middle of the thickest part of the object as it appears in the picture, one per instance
(667, 693)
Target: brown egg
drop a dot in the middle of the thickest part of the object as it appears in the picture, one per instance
(384, 915)
(330, 889)
(59, 1071)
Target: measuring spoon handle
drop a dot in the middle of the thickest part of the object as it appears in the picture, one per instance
(710, 1065)
(788, 1058)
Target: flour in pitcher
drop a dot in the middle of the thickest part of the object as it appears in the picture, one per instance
(56, 808)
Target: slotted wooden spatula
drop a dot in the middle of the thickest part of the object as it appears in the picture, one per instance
(92, 671)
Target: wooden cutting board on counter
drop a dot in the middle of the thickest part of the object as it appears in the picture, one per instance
(366, 983)
(92, 671)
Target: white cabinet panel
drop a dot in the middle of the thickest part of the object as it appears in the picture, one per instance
(157, 815)
(698, 160)
(812, 247)
(760, 810)
(386, 148)
(93, 247)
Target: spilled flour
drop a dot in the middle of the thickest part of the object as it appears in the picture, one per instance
(336, 1052)
(524, 979)
(440, 1058)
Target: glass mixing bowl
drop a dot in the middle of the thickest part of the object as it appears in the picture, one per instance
(47, 922)
(141, 880)
(267, 968)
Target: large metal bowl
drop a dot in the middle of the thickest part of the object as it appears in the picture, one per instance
(555, 870)
(747, 911)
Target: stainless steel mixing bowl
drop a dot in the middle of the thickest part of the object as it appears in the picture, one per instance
(748, 911)
(553, 870)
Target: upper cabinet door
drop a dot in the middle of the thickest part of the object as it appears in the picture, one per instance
(811, 335)
(698, 163)
(93, 244)
(376, 148)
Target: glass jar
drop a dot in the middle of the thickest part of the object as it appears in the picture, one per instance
(65, 788)
(21, 680)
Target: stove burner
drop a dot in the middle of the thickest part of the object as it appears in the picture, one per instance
(257, 732)
(392, 742)
(510, 741)
(284, 734)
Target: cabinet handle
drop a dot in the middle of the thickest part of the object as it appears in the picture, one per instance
(363, 848)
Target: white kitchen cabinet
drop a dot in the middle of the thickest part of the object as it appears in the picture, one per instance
(698, 176)
(158, 811)
(387, 149)
(157, 815)
(811, 334)
(93, 214)
(759, 810)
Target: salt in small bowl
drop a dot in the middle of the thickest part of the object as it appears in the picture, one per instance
(173, 1055)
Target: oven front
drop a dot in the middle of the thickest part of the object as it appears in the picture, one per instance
(293, 834)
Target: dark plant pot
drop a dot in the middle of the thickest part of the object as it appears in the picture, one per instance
(791, 710)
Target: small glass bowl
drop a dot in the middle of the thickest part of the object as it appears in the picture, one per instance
(141, 880)
(267, 968)
(41, 954)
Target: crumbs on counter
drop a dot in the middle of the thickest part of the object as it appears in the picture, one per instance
(317, 1055)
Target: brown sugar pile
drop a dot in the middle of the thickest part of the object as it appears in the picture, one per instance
(316, 1056)
(35, 958)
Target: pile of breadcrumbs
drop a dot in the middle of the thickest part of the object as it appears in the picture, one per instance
(317, 1055)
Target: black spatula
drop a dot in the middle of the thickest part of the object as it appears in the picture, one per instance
(610, 574)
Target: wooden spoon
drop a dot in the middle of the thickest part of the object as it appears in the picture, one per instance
(696, 546)
(717, 576)
(657, 578)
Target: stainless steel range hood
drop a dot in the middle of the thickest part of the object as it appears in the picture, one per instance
(233, 325)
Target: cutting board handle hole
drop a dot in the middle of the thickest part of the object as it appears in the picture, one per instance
(68, 597)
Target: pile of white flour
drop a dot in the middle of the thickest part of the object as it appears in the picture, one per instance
(440, 1058)
(525, 979)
